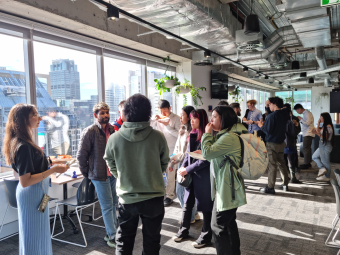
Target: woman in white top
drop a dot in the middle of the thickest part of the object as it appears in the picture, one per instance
(180, 151)
(323, 154)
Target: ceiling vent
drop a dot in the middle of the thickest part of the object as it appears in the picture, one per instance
(249, 43)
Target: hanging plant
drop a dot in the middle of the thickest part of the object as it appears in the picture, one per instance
(236, 94)
(187, 87)
(167, 82)
(320, 96)
(289, 100)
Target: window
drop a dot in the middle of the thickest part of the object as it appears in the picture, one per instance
(66, 105)
(12, 85)
(153, 94)
(303, 97)
(122, 79)
(284, 95)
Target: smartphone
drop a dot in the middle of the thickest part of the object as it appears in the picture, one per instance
(68, 163)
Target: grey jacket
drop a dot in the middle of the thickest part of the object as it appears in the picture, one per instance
(91, 150)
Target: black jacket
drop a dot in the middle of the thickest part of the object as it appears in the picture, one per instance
(292, 132)
(275, 126)
(91, 151)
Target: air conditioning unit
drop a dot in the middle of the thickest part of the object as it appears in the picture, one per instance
(249, 43)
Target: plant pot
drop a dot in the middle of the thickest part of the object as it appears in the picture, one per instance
(169, 84)
(184, 91)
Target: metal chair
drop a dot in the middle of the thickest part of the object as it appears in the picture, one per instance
(91, 217)
(86, 196)
(11, 187)
(336, 188)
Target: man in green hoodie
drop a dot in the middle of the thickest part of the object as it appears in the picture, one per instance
(137, 156)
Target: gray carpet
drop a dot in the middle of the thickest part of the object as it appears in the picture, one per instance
(295, 222)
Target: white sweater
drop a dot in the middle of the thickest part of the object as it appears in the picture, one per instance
(170, 131)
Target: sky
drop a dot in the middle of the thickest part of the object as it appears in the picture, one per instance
(116, 71)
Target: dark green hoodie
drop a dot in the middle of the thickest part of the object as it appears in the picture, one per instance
(137, 155)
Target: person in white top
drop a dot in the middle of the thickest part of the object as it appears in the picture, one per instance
(58, 126)
(169, 124)
(307, 126)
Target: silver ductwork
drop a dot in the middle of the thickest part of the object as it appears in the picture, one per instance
(287, 71)
(272, 43)
(320, 57)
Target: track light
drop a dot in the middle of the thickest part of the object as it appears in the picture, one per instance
(245, 69)
(280, 83)
(207, 54)
(112, 13)
(303, 75)
(266, 77)
(311, 80)
(295, 65)
(289, 87)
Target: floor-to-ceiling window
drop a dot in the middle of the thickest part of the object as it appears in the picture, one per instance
(12, 84)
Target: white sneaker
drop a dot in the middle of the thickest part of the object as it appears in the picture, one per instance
(197, 217)
(322, 178)
(322, 172)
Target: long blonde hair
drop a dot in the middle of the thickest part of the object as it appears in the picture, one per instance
(18, 131)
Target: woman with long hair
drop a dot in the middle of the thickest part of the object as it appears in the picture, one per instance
(30, 163)
(179, 154)
(214, 148)
(199, 189)
(322, 156)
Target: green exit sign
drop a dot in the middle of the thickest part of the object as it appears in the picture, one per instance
(329, 2)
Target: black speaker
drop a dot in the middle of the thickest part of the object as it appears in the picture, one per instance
(252, 25)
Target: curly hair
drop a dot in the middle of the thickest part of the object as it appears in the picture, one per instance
(137, 108)
(18, 131)
(277, 101)
(252, 101)
(100, 106)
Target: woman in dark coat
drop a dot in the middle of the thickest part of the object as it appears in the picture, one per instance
(200, 189)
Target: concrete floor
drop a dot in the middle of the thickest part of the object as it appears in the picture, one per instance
(294, 222)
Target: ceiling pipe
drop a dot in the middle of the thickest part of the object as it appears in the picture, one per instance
(330, 69)
(320, 57)
(283, 72)
(275, 41)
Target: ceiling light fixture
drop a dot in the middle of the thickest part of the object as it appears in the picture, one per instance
(245, 69)
(112, 13)
(207, 54)
(295, 63)
(303, 75)
(311, 80)
(252, 24)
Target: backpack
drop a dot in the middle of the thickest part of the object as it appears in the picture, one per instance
(254, 158)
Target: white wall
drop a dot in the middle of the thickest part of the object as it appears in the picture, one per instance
(320, 104)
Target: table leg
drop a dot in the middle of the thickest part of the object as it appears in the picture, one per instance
(66, 216)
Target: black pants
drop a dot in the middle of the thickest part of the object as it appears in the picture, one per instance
(151, 213)
(225, 232)
(206, 234)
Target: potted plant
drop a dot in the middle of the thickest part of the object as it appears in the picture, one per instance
(289, 100)
(187, 87)
(167, 82)
(236, 94)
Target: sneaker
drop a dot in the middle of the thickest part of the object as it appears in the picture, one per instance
(167, 201)
(283, 187)
(197, 217)
(294, 180)
(179, 237)
(305, 166)
(268, 190)
(112, 243)
(322, 172)
(323, 178)
(106, 238)
(192, 222)
(199, 243)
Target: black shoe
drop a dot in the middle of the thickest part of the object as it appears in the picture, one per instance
(294, 180)
(179, 237)
(268, 190)
(305, 166)
(167, 201)
(283, 187)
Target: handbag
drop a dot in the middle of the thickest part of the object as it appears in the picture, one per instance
(186, 180)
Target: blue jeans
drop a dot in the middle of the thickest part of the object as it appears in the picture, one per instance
(107, 196)
(322, 157)
(180, 196)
